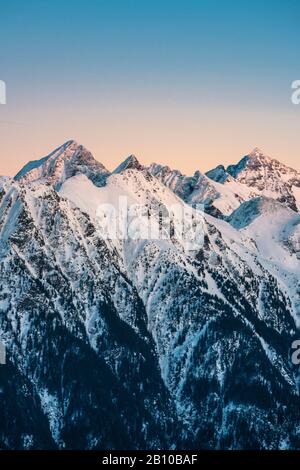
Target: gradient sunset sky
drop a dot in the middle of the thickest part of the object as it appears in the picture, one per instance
(188, 83)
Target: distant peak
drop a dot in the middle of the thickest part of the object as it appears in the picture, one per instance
(69, 143)
(130, 163)
(257, 153)
(64, 162)
(68, 148)
(254, 159)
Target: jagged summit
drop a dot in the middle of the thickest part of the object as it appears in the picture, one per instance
(157, 168)
(64, 162)
(256, 159)
(130, 163)
(34, 164)
(194, 190)
(264, 175)
(256, 174)
(257, 152)
(174, 347)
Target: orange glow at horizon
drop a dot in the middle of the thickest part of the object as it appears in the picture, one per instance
(184, 139)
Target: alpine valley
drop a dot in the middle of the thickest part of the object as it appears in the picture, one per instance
(149, 343)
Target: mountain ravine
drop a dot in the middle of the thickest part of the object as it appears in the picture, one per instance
(149, 343)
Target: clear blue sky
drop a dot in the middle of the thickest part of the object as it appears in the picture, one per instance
(190, 83)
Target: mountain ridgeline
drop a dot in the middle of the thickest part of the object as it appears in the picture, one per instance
(149, 343)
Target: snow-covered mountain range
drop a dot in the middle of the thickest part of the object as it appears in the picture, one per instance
(225, 189)
(149, 343)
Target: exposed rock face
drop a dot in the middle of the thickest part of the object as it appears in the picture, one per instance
(222, 190)
(147, 343)
(267, 176)
(196, 189)
(131, 163)
(66, 161)
(75, 327)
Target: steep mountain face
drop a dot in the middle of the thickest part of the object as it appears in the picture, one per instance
(218, 200)
(131, 163)
(219, 174)
(265, 176)
(222, 352)
(65, 162)
(75, 328)
(192, 189)
(142, 341)
(275, 229)
(222, 191)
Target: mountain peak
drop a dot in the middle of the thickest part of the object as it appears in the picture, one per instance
(130, 163)
(254, 159)
(256, 152)
(269, 177)
(64, 162)
(257, 155)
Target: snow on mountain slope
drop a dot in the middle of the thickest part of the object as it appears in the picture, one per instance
(264, 176)
(3, 180)
(4, 183)
(276, 232)
(147, 342)
(75, 327)
(217, 198)
(140, 189)
(203, 313)
(66, 161)
(296, 194)
(130, 163)
(231, 195)
(191, 189)
(145, 197)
